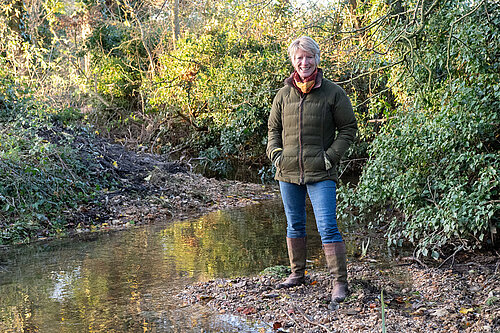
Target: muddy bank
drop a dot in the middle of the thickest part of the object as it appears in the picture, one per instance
(145, 187)
(160, 195)
(464, 297)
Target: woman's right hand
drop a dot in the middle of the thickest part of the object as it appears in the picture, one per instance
(277, 159)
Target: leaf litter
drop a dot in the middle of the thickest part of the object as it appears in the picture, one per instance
(462, 298)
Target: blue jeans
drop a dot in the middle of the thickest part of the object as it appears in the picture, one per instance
(323, 198)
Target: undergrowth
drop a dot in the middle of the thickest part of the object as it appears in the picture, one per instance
(44, 176)
(433, 174)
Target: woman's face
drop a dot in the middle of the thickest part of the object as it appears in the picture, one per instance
(304, 63)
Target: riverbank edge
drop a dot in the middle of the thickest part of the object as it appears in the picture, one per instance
(166, 197)
(461, 297)
(142, 188)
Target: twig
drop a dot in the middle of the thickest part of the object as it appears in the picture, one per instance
(364, 248)
(428, 11)
(382, 91)
(382, 308)
(472, 263)
(66, 167)
(383, 120)
(161, 9)
(416, 260)
(372, 24)
(452, 256)
(375, 70)
(354, 160)
(291, 318)
(347, 166)
(312, 322)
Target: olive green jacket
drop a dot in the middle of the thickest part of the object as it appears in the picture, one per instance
(309, 133)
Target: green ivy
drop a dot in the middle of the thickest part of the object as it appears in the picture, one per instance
(43, 177)
(432, 178)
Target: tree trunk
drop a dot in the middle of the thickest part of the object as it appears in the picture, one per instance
(175, 22)
(18, 27)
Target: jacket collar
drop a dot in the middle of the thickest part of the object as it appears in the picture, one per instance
(319, 80)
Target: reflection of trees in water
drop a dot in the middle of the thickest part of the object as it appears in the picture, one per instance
(83, 286)
(230, 243)
(18, 316)
(124, 281)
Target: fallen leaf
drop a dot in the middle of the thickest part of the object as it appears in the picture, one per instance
(439, 312)
(277, 325)
(205, 297)
(313, 283)
(466, 310)
(248, 311)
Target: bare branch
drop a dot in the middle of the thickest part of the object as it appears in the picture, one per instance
(382, 91)
(448, 47)
(143, 38)
(375, 70)
(431, 8)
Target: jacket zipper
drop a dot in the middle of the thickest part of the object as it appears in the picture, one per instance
(301, 159)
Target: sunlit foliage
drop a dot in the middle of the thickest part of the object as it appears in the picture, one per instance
(433, 171)
(422, 76)
(221, 84)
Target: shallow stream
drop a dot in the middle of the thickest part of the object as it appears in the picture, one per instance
(126, 281)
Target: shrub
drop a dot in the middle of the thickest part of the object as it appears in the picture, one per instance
(432, 178)
(223, 85)
(43, 177)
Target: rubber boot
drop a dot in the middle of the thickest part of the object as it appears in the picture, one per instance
(297, 256)
(335, 254)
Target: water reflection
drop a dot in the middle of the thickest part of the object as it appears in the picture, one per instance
(126, 281)
(229, 244)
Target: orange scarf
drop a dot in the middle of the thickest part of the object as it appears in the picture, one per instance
(305, 85)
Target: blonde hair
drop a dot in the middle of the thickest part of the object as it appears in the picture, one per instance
(306, 44)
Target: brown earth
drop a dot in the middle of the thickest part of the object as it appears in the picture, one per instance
(463, 297)
(147, 187)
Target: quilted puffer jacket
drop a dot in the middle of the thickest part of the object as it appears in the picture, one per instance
(309, 133)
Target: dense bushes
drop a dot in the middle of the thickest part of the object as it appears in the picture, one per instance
(222, 85)
(432, 177)
(43, 176)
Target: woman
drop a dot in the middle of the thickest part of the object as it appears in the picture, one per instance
(310, 127)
